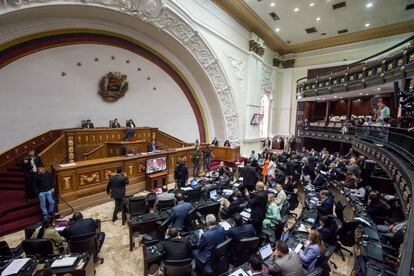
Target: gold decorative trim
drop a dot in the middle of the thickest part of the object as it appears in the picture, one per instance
(84, 179)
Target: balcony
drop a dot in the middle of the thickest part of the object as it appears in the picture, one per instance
(360, 75)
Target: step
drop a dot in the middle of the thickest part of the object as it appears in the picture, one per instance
(11, 186)
(12, 179)
(19, 214)
(12, 174)
(18, 225)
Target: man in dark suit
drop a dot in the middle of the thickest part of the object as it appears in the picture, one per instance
(30, 164)
(115, 123)
(320, 180)
(250, 177)
(212, 237)
(180, 173)
(215, 142)
(80, 226)
(240, 231)
(258, 206)
(176, 247)
(180, 212)
(234, 206)
(152, 147)
(116, 188)
(256, 265)
(325, 207)
(88, 124)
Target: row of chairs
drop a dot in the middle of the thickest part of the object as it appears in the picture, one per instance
(43, 248)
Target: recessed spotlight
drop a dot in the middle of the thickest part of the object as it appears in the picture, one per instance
(360, 94)
(340, 97)
(272, 4)
(296, 10)
(311, 4)
(277, 30)
(367, 25)
(323, 99)
(335, 97)
(318, 18)
(366, 94)
(369, 5)
(379, 88)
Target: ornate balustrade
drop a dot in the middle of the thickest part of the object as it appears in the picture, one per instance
(358, 76)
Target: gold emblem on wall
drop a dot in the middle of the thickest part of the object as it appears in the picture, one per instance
(91, 179)
(109, 173)
(113, 86)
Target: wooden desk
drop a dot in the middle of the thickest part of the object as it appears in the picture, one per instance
(114, 148)
(156, 180)
(228, 154)
(83, 183)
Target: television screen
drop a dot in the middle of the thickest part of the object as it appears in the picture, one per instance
(257, 119)
(156, 164)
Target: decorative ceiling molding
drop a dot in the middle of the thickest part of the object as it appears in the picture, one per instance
(164, 18)
(246, 17)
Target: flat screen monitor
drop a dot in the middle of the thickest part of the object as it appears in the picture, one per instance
(156, 164)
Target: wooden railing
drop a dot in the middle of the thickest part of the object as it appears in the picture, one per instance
(16, 154)
(54, 154)
(98, 152)
(168, 141)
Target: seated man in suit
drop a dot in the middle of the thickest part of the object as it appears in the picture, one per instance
(88, 124)
(240, 230)
(179, 212)
(375, 208)
(115, 124)
(176, 247)
(286, 264)
(325, 207)
(320, 180)
(281, 196)
(325, 230)
(80, 226)
(212, 237)
(256, 265)
(234, 206)
(152, 147)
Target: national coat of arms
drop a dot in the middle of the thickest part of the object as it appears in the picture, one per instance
(113, 86)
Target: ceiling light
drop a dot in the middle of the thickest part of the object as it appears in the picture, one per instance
(311, 4)
(277, 30)
(335, 97)
(323, 99)
(366, 94)
(360, 93)
(272, 4)
(296, 10)
(379, 88)
(367, 25)
(340, 97)
(318, 18)
(369, 5)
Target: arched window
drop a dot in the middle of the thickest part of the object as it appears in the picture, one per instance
(264, 110)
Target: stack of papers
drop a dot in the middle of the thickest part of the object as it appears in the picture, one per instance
(302, 228)
(15, 266)
(245, 215)
(225, 225)
(64, 262)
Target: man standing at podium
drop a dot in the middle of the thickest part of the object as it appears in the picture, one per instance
(116, 188)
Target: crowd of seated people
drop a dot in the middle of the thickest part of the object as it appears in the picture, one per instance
(265, 194)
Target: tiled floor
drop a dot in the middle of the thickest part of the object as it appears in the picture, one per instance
(120, 261)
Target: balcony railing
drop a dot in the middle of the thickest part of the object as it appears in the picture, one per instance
(362, 74)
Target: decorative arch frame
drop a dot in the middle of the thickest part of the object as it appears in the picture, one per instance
(164, 18)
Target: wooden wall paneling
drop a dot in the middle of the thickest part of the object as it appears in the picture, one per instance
(16, 154)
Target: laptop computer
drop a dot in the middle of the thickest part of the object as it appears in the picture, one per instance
(265, 251)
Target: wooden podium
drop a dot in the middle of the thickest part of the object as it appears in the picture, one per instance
(228, 154)
(156, 180)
